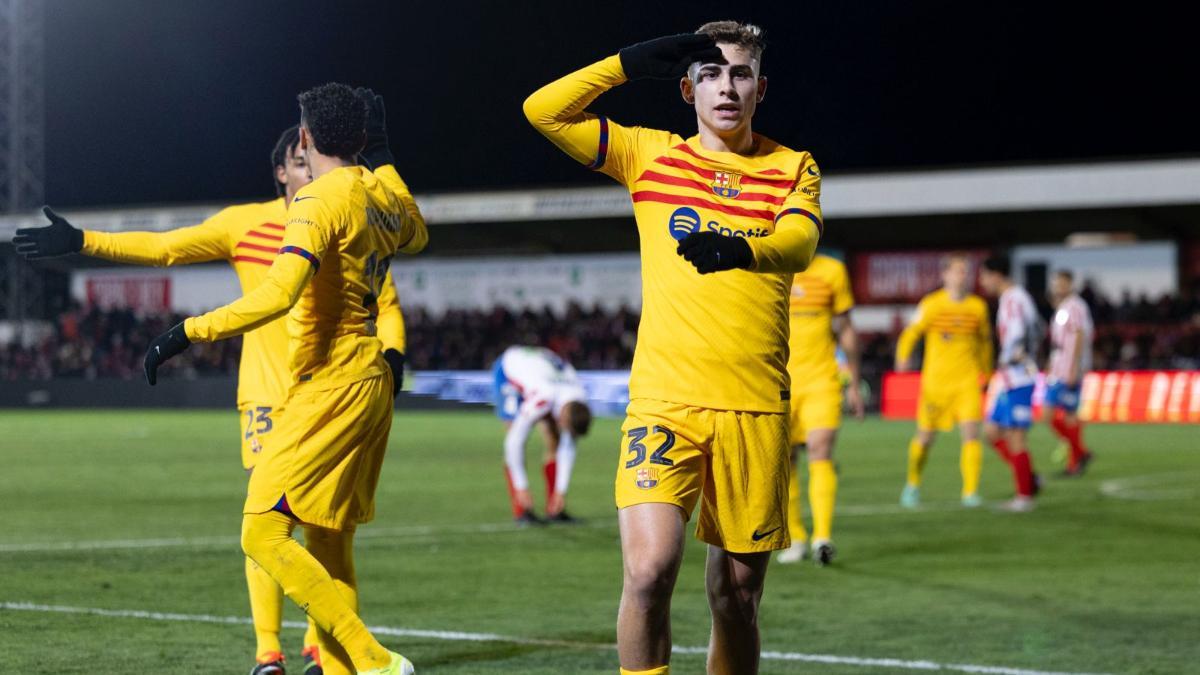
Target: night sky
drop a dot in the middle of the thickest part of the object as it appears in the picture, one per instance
(151, 102)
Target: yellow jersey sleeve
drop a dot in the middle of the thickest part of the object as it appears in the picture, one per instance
(798, 227)
(557, 111)
(414, 234)
(986, 350)
(210, 240)
(843, 297)
(914, 331)
(389, 323)
(306, 238)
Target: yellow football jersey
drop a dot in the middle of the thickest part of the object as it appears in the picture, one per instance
(248, 236)
(818, 294)
(718, 340)
(330, 275)
(958, 338)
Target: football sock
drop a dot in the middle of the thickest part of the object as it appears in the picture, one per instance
(916, 462)
(550, 472)
(970, 462)
(512, 494)
(796, 508)
(267, 537)
(335, 551)
(1072, 434)
(310, 635)
(822, 493)
(266, 608)
(1023, 473)
(661, 670)
(1001, 446)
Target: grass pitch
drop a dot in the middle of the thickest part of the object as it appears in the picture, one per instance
(119, 555)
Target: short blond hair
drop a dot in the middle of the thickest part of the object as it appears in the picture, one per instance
(745, 35)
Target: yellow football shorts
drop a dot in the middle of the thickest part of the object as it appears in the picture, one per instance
(323, 462)
(818, 407)
(734, 463)
(257, 422)
(940, 406)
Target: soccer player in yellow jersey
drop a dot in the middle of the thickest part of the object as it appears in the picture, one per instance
(820, 320)
(725, 218)
(322, 467)
(958, 360)
(248, 236)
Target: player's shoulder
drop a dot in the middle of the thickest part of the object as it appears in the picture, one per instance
(976, 303)
(240, 217)
(795, 163)
(827, 267)
(933, 298)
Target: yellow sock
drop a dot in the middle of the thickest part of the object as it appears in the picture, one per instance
(796, 508)
(335, 551)
(661, 670)
(822, 494)
(970, 462)
(266, 607)
(916, 462)
(267, 537)
(310, 634)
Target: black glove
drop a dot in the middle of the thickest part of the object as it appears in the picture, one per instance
(668, 57)
(57, 238)
(395, 361)
(375, 153)
(165, 346)
(714, 252)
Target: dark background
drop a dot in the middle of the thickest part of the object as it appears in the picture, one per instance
(181, 101)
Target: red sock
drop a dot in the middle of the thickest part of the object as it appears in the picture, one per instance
(1001, 446)
(550, 471)
(1072, 434)
(512, 494)
(1023, 473)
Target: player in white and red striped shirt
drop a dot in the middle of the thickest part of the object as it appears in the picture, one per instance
(1070, 359)
(1010, 393)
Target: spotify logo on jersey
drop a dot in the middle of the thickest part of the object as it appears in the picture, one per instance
(684, 221)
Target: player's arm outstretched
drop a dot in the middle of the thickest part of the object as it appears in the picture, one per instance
(207, 241)
(305, 240)
(377, 156)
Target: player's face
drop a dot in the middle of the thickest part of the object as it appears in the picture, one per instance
(990, 282)
(294, 173)
(954, 277)
(725, 94)
(1060, 288)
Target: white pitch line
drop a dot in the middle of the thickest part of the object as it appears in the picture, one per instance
(459, 636)
(407, 532)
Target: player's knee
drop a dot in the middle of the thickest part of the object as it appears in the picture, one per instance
(735, 600)
(648, 583)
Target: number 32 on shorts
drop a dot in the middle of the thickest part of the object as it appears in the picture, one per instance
(638, 449)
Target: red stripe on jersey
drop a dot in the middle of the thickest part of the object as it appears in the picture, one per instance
(274, 226)
(772, 172)
(248, 259)
(257, 247)
(680, 181)
(746, 180)
(664, 198)
(264, 235)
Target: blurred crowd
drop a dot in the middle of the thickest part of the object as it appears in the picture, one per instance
(1132, 333)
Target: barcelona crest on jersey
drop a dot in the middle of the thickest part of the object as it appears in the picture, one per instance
(647, 478)
(727, 184)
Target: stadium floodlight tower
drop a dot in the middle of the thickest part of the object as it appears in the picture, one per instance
(22, 143)
(22, 105)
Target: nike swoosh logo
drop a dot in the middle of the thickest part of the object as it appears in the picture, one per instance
(813, 173)
(300, 199)
(758, 536)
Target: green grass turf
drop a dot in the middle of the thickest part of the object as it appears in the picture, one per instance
(1089, 582)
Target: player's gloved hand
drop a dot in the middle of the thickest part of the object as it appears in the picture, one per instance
(376, 152)
(715, 252)
(669, 57)
(170, 344)
(57, 238)
(395, 361)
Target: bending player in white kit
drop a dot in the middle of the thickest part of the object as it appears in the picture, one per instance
(1010, 393)
(536, 387)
